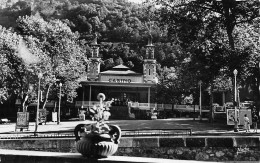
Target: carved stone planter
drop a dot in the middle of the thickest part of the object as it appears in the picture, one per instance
(99, 145)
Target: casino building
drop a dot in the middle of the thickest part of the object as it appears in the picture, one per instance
(130, 91)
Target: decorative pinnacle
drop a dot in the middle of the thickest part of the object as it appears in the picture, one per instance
(150, 39)
(95, 39)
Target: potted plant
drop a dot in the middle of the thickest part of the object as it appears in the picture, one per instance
(98, 139)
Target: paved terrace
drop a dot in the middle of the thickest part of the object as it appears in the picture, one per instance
(197, 127)
(210, 142)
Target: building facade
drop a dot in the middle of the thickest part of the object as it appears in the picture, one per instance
(124, 88)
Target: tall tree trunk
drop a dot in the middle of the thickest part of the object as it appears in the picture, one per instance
(24, 102)
(230, 37)
(46, 96)
(230, 20)
(257, 86)
(211, 111)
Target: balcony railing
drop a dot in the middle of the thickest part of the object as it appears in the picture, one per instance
(145, 106)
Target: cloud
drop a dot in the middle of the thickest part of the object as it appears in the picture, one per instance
(24, 53)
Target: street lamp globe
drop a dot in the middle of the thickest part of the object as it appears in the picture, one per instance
(235, 72)
(40, 75)
(60, 84)
(200, 82)
(30, 87)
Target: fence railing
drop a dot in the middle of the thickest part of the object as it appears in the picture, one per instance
(156, 132)
(146, 106)
(26, 135)
(70, 134)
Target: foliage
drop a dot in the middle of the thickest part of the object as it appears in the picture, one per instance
(18, 63)
(222, 82)
(114, 22)
(206, 32)
(40, 46)
(65, 57)
(198, 40)
(247, 40)
(173, 86)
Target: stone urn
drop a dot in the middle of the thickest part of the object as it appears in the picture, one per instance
(98, 145)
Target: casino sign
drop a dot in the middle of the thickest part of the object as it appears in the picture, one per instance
(113, 80)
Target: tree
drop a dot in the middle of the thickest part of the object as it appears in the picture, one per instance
(200, 25)
(19, 65)
(167, 77)
(129, 64)
(118, 61)
(173, 85)
(10, 14)
(64, 59)
(227, 14)
(205, 30)
(107, 64)
(247, 39)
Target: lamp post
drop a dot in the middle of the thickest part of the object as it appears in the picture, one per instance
(58, 122)
(38, 103)
(235, 99)
(200, 82)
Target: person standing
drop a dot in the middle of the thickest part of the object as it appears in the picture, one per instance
(246, 123)
(255, 120)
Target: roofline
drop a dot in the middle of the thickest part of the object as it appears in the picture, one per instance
(109, 84)
(137, 74)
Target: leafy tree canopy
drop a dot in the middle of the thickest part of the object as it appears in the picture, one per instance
(200, 40)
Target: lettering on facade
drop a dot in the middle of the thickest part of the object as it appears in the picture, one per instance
(119, 80)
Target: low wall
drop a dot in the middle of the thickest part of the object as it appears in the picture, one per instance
(17, 156)
(219, 148)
